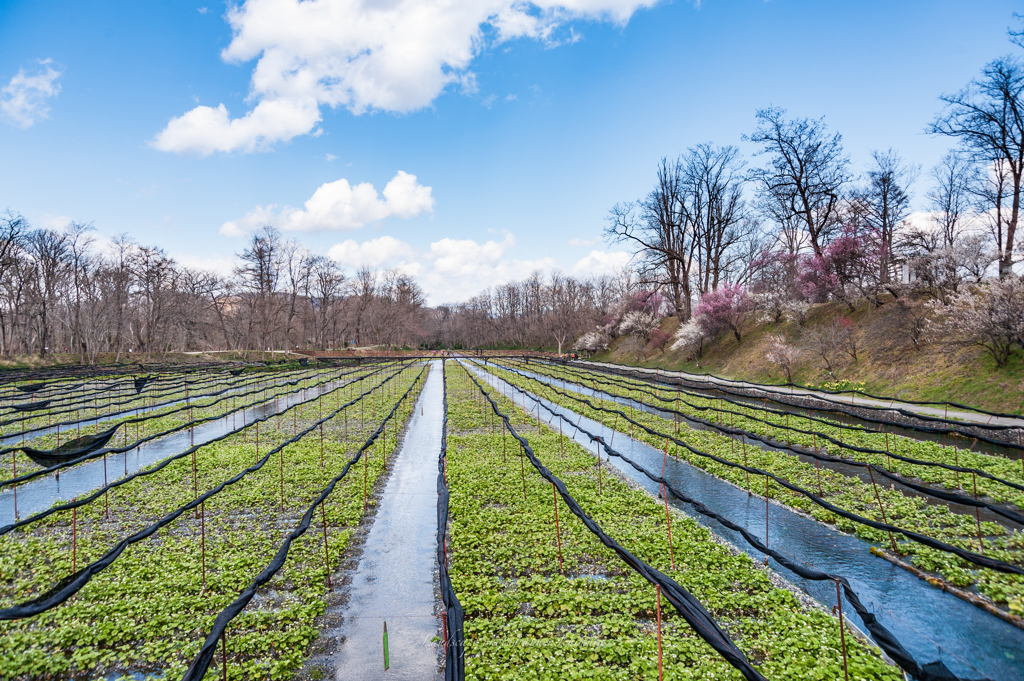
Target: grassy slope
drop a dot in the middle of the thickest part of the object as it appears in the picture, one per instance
(887, 364)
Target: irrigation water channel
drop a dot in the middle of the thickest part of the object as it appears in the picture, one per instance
(931, 624)
(394, 581)
(41, 493)
(15, 438)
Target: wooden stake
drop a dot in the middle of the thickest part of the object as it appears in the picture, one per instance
(74, 537)
(106, 494)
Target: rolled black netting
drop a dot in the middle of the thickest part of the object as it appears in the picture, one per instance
(684, 602)
(952, 497)
(969, 556)
(764, 387)
(197, 670)
(455, 645)
(933, 671)
(72, 584)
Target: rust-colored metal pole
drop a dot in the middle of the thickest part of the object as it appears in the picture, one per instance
(522, 467)
(558, 529)
(882, 509)
(327, 553)
(202, 528)
(842, 633)
(977, 514)
(657, 610)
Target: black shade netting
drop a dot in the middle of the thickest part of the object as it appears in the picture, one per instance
(31, 406)
(72, 449)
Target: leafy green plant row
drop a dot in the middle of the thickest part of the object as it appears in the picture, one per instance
(248, 431)
(148, 612)
(134, 429)
(913, 513)
(780, 427)
(120, 401)
(527, 617)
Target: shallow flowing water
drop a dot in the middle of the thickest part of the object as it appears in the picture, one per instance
(17, 437)
(41, 493)
(394, 582)
(984, 514)
(931, 625)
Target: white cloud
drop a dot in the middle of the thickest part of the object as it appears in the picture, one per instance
(340, 206)
(203, 10)
(450, 270)
(586, 243)
(385, 251)
(222, 266)
(381, 55)
(204, 130)
(332, 157)
(460, 268)
(23, 101)
(597, 263)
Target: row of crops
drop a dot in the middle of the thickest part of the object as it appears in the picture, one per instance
(966, 551)
(561, 567)
(217, 559)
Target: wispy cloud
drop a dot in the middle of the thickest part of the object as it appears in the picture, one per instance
(24, 101)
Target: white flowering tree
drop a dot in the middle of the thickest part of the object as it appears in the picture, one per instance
(689, 338)
(782, 354)
(990, 315)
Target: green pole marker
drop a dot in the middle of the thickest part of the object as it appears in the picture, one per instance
(386, 661)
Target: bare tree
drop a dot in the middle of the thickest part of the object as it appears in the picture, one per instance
(259, 277)
(806, 173)
(884, 204)
(713, 206)
(13, 230)
(987, 117)
(951, 198)
(664, 239)
(48, 251)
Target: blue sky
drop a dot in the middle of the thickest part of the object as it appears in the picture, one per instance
(475, 142)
